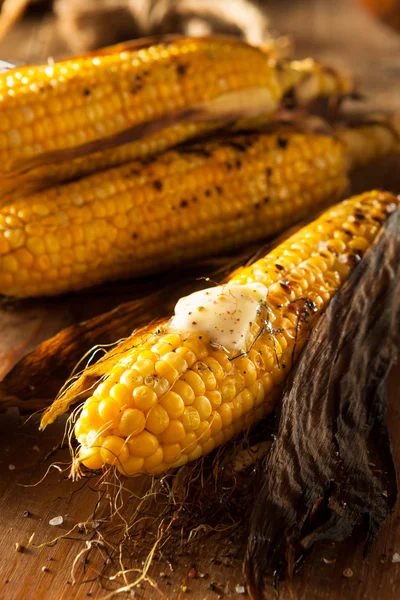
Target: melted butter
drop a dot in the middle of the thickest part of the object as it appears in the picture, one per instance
(225, 313)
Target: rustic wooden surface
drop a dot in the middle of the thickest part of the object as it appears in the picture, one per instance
(339, 31)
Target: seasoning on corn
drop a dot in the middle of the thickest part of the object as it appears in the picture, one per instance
(78, 116)
(195, 394)
(186, 203)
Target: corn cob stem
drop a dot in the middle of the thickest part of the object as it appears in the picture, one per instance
(187, 203)
(68, 119)
(174, 395)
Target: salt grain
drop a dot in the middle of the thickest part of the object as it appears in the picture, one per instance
(240, 589)
(56, 521)
(396, 558)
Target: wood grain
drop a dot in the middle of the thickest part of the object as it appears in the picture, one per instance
(339, 31)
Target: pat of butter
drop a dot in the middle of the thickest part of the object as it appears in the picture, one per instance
(225, 313)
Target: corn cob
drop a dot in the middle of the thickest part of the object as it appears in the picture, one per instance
(177, 394)
(54, 116)
(188, 203)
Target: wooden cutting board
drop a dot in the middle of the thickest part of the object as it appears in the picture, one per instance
(345, 35)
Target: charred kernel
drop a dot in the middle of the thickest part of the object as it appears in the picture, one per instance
(175, 432)
(114, 450)
(157, 420)
(144, 398)
(143, 444)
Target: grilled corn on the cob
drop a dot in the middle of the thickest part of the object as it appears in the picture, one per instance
(66, 119)
(179, 392)
(187, 203)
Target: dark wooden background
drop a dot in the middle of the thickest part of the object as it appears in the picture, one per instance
(338, 31)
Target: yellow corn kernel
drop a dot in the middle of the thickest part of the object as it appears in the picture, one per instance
(171, 452)
(90, 417)
(215, 422)
(195, 382)
(145, 367)
(195, 345)
(131, 466)
(175, 432)
(189, 443)
(164, 369)
(187, 355)
(131, 378)
(228, 389)
(196, 453)
(173, 404)
(215, 367)
(110, 411)
(225, 412)
(143, 444)
(248, 370)
(132, 422)
(91, 458)
(184, 390)
(190, 419)
(208, 446)
(144, 398)
(153, 460)
(176, 361)
(222, 358)
(215, 398)
(206, 375)
(114, 450)
(121, 393)
(157, 420)
(158, 384)
(203, 432)
(203, 407)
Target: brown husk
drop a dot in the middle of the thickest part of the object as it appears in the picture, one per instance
(316, 483)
